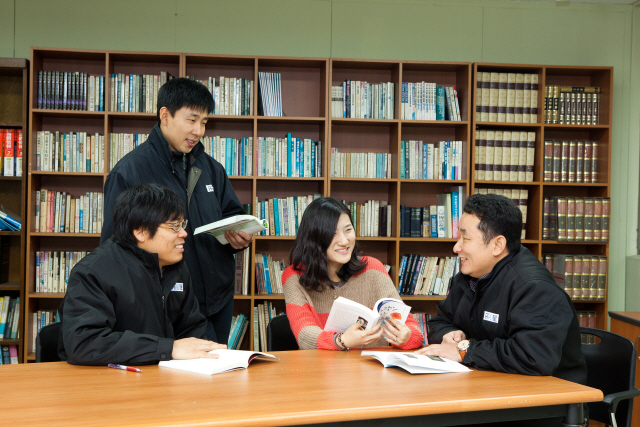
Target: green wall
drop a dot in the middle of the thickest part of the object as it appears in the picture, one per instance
(453, 30)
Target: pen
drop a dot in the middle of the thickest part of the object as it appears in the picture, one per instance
(124, 368)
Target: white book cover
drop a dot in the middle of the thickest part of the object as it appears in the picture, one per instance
(247, 223)
(344, 313)
(415, 363)
(229, 360)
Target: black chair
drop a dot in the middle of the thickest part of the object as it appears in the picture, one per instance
(279, 335)
(47, 343)
(611, 367)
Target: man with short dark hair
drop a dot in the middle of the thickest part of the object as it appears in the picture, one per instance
(173, 156)
(130, 300)
(504, 312)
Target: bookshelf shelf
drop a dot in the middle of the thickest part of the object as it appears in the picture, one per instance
(9, 286)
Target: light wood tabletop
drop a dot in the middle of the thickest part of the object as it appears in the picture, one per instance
(303, 387)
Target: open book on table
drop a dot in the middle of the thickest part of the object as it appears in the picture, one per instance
(247, 223)
(345, 313)
(229, 360)
(416, 363)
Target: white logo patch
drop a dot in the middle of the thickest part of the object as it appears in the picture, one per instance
(491, 317)
(210, 188)
(177, 287)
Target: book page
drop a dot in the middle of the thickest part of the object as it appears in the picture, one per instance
(229, 360)
(389, 307)
(345, 313)
(247, 223)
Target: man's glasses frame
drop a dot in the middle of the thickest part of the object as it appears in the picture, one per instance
(176, 227)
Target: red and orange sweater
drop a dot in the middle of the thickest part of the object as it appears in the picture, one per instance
(308, 310)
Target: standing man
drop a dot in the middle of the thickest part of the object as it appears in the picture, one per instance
(173, 156)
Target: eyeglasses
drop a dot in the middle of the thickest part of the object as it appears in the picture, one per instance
(176, 227)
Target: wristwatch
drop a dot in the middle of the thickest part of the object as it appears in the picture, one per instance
(462, 348)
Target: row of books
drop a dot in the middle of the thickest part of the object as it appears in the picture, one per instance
(427, 101)
(136, 93)
(59, 212)
(39, 320)
(520, 197)
(419, 160)
(11, 152)
(8, 222)
(289, 156)
(283, 214)
(53, 268)
(362, 100)
(269, 274)
(239, 326)
(371, 219)
(423, 319)
(69, 152)
(262, 315)
(504, 155)
(571, 161)
(587, 319)
(572, 105)
(233, 96)
(241, 278)
(70, 90)
(435, 221)
(576, 219)
(121, 144)
(9, 355)
(426, 275)
(507, 97)
(235, 155)
(583, 277)
(269, 94)
(360, 165)
(9, 317)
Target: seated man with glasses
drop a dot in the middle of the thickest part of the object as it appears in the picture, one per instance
(130, 300)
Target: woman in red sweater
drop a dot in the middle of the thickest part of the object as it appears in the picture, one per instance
(325, 266)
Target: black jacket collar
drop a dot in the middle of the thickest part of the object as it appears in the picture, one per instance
(161, 145)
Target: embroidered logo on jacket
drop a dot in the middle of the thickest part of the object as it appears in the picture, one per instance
(210, 188)
(177, 287)
(491, 317)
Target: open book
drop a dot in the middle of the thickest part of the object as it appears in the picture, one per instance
(229, 360)
(416, 363)
(247, 223)
(345, 313)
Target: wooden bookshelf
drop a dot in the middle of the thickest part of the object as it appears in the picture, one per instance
(14, 78)
(539, 189)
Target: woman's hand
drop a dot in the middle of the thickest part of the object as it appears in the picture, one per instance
(395, 332)
(356, 337)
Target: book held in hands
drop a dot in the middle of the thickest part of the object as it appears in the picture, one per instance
(415, 363)
(229, 360)
(247, 223)
(345, 313)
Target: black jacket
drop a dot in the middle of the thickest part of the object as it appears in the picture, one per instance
(208, 197)
(121, 308)
(536, 331)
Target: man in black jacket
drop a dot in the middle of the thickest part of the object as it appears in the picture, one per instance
(173, 156)
(504, 312)
(130, 300)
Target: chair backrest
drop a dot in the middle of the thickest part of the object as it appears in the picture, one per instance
(47, 343)
(280, 336)
(611, 367)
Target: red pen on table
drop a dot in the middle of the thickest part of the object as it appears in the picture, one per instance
(124, 368)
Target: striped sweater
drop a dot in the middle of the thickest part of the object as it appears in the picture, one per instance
(308, 310)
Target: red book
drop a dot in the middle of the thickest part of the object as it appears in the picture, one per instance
(8, 149)
(19, 153)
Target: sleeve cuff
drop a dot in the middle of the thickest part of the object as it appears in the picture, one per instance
(165, 349)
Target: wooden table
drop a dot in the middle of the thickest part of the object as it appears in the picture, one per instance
(303, 387)
(627, 324)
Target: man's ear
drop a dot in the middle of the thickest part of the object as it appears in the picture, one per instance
(164, 115)
(140, 234)
(499, 245)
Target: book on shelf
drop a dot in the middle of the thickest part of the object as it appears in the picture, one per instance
(70, 152)
(9, 221)
(363, 100)
(228, 360)
(269, 94)
(120, 144)
(572, 105)
(576, 219)
(337, 100)
(11, 143)
(283, 215)
(425, 275)
(70, 90)
(371, 219)
(9, 355)
(427, 101)
(419, 160)
(519, 196)
(288, 157)
(582, 276)
(233, 95)
(423, 319)
(53, 268)
(136, 93)
(246, 223)
(587, 319)
(571, 161)
(507, 155)
(9, 317)
(507, 97)
(436, 221)
(360, 165)
(59, 212)
(262, 315)
(268, 274)
(237, 332)
(235, 155)
(40, 319)
(241, 277)
(345, 313)
(416, 363)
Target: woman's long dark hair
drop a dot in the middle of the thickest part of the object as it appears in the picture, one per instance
(315, 234)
